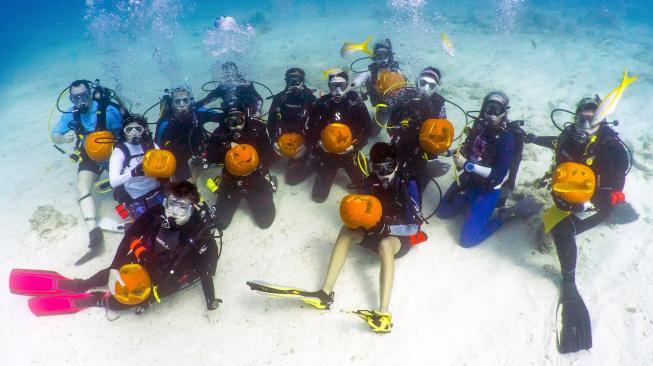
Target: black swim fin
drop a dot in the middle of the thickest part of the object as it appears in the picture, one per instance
(92, 253)
(523, 209)
(574, 329)
(318, 299)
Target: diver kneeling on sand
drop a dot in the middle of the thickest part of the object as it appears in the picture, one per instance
(94, 122)
(385, 220)
(588, 176)
(168, 248)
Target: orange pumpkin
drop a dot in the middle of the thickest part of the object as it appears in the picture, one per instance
(360, 210)
(159, 163)
(138, 285)
(573, 182)
(388, 81)
(98, 145)
(290, 143)
(436, 135)
(241, 160)
(336, 138)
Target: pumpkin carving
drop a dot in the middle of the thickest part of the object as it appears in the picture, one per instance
(336, 138)
(436, 135)
(360, 210)
(159, 163)
(573, 182)
(290, 143)
(241, 160)
(388, 81)
(98, 145)
(138, 285)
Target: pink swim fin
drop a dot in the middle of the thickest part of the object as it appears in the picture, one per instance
(61, 304)
(35, 282)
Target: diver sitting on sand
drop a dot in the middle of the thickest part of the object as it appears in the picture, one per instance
(181, 131)
(243, 145)
(126, 174)
(173, 242)
(288, 114)
(337, 129)
(489, 158)
(91, 112)
(590, 142)
(232, 85)
(385, 220)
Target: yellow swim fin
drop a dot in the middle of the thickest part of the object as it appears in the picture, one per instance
(552, 217)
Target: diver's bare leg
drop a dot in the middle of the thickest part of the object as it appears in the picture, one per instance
(338, 256)
(388, 247)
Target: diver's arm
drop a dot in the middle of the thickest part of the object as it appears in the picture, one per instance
(60, 133)
(116, 176)
(498, 172)
(544, 141)
(361, 79)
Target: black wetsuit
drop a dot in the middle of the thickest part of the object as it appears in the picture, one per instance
(412, 107)
(186, 138)
(349, 110)
(238, 90)
(609, 161)
(288, 113)
(174, 257)
(256, 188)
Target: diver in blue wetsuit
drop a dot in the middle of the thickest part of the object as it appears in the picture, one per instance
(486, 158)
(92, 111)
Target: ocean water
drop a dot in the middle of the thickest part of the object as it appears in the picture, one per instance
(543, 54)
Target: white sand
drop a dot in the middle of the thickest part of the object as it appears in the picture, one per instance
(491, 305)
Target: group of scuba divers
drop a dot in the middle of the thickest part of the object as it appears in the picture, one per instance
(173, 238)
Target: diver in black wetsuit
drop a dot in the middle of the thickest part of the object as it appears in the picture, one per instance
(173, 241)
(180, 130)
(288, 114)
(596, 144)
(255, 187)
(233, 87)
(341, 105)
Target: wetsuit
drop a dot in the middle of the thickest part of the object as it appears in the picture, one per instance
(407, 111)
(288, 113)
(174, 257)
(97, 119)
(186, 138)
(488, 147)
(237, 90)
(256, 188)
(609, 161)
(401, 204)
(351, 111)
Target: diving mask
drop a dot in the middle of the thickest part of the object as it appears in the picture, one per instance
(235, 120)
(133, 133)
(82, 100)
(494, 112)
(178, 209)
(385, 168)
(427, 84)
(338, 87)
(181, 103)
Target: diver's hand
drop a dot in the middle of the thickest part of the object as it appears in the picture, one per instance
(138, 171)
(459, 160)
(276, 148)
(233, 144)
(349, 149)
(530, 138)
(63, 139)
(300, 152)
(114, 277)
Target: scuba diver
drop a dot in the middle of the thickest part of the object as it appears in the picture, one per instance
(336, 130)
(391, 235)
(288, 114)
(92, 112)
(175, 244)
(382, 59)
(233, 86)
(596, 145)
(247, 173)
(180, 130)
(489, 158)
(126, 174)
(404, 114)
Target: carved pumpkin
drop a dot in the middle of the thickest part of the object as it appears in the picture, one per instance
(388, 81)
(573, 182)
(336, 138)
(241, 160)
(98, 145)
(290, 143)
(159, 163)
(360, 210)
(436, 135)
(138, 285)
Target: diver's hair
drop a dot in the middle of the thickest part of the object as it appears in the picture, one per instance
(296, 71)
(77, 83)
(184, 189)
(136, 118)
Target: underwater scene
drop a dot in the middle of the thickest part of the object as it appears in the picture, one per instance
(293, 182)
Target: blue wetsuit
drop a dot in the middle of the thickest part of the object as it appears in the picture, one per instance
(493, 148)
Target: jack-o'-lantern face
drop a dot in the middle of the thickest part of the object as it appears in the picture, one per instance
(336, 138)
(241, 160)
(573, 182)
(360, 211)
(436, 135)
(159, 163)
(138, 285)
(290, 143)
